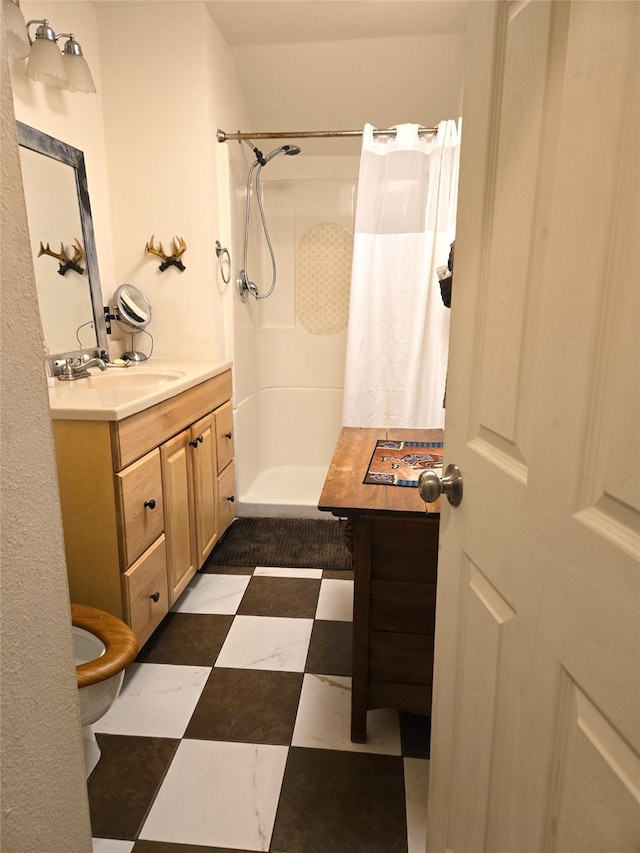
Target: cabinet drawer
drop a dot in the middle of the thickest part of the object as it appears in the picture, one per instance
(136, 435)
(224, 435)
(140, 509)
(226, 498)
(141, 584)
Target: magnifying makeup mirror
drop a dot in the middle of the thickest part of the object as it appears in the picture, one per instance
(133, 311)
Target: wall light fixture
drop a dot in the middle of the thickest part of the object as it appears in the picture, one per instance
(66, 69)
(16, 29)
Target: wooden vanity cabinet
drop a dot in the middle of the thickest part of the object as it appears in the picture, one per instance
(145, 499)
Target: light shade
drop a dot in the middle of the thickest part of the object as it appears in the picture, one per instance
(77, 71)
(16, 29)
(45, 62)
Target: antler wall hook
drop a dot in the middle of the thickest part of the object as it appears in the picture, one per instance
(66, 263)
(172, 260)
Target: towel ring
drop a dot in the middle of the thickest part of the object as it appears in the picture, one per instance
(221, 252)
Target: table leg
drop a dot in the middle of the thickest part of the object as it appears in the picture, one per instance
(360, 660)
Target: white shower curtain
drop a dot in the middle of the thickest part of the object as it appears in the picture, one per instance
(398, 333)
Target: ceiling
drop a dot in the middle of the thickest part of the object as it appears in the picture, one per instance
(244, 22)
(336, 64)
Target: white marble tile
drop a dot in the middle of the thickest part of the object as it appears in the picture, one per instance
(266, 642)
(336, 600)
(416, 785)
(324, 719)
(156, 700)
(275, 572)
(111, 845)
(219, 794)
(212, 594)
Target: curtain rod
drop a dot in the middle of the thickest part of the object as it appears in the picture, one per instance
(310, 134)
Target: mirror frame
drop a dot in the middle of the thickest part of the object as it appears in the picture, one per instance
(49, 146)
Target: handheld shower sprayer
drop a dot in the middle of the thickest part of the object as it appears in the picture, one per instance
(244, 285)
(284, 149)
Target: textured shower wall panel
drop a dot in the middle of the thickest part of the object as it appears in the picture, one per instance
(323, 275)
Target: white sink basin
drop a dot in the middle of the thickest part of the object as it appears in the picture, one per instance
(126, 377)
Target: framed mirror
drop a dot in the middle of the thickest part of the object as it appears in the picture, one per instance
(63, 245)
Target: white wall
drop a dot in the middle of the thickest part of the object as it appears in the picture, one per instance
(322, 85)
(169, 83)
(44, 797)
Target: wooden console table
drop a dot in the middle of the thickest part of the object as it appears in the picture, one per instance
(395, 569)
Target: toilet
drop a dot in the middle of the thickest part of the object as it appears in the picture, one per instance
(104, 646)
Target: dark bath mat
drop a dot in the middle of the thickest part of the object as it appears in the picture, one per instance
(305, 543)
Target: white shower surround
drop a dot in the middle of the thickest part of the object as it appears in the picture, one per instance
(288, 389)
(287, 436)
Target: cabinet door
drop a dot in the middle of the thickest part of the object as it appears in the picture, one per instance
(224, 435)
(205, 470)
(226, 498)
(177, 481)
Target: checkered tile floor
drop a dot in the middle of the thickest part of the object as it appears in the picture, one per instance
(232, 730)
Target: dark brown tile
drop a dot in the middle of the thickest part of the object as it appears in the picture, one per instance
(211, 569)
(338, 574)
(189, 639)
(415, 735)
(125, 782)
(330, 648)
(247, 706)
(341, 801)
(168, 847)
(269, 596)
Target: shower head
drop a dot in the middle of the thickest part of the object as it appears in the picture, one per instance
(284, 149)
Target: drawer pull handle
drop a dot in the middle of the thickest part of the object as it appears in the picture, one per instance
(196, 441)
(231, 499)
(227, 435)
(155, 596)
(151, 504)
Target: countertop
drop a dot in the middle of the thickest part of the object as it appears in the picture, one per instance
(119, 392)
(344, 492)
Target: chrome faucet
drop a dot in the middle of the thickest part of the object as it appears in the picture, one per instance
(78, 368)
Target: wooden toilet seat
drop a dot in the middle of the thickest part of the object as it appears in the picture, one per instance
(119, 640)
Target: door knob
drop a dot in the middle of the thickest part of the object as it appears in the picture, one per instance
(431, 486)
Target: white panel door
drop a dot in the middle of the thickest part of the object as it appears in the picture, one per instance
(536, 720)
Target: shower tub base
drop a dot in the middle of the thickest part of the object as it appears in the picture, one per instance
(284, 492)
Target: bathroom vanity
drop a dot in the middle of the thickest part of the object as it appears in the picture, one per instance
(147, 482)
(395, 570)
